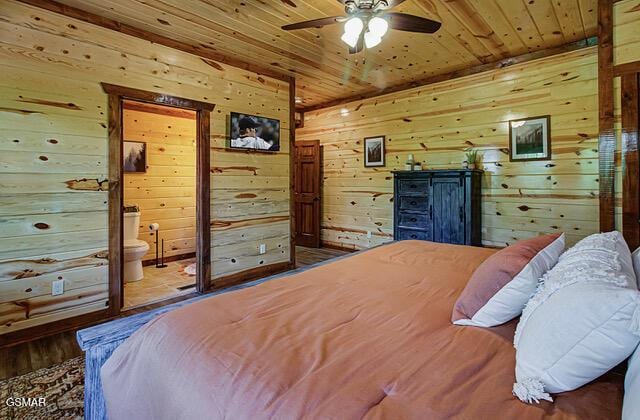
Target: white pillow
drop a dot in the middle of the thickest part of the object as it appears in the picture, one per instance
(583, 320)
(631, 405)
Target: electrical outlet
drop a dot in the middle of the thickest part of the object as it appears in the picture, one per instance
(368, 234)
(57, 287)
(263, 248)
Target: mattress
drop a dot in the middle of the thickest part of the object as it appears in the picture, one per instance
(367, 336)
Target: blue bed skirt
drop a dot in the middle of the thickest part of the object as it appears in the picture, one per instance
(100, 341)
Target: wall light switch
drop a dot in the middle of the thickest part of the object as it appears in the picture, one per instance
(368, 234)
(263, 248)
(57, 287)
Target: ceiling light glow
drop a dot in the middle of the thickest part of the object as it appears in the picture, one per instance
(352, 30)
(378, 26)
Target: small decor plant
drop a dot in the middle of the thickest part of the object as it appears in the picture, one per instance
(472, 157)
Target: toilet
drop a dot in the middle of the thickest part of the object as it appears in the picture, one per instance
(134, 248)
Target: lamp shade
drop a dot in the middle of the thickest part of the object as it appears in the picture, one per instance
(352, 30)
(371, 39)
(378, 26)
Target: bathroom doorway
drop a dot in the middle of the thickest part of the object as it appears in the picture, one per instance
(159, 215)
(159, 165)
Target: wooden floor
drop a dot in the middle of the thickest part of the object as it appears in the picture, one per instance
(159, 284)
(48, 351)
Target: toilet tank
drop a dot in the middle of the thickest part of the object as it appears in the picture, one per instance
(131, 225)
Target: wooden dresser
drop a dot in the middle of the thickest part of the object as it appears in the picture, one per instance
(438, 205)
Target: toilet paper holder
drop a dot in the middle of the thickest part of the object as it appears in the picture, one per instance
(155, 227)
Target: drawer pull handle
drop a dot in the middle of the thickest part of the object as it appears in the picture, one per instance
(414, 236)
(413, 219)
(413, 186)
(413, 203)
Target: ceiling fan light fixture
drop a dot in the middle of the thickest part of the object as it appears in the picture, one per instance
(378, 26)
(371, 40)
(352, 30)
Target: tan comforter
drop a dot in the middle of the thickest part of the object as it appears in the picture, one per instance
(369, 336)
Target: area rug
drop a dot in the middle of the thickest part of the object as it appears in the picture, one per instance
(61, 386)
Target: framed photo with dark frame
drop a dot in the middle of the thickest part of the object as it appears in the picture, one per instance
(530, 139)
(134, 156)
(374, 151)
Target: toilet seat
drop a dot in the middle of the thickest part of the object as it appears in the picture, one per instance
(135, 243)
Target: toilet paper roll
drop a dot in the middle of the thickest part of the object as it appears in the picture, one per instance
(153, 227)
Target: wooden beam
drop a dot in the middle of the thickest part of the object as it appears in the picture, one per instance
(75, 13)
(292, 149)
(631, 172)
(500, 64)
(607, 138)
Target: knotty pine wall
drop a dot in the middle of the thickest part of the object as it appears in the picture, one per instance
(53, 159)
(166, 193)
(438, 122)
(626, 49)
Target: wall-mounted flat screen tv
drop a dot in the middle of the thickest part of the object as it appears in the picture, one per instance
(250, 132)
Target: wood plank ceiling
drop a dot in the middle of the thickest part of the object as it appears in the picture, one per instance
(474, 32)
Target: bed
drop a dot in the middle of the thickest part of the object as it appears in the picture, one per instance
(367, 336)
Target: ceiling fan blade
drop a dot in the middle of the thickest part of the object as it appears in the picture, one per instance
(411, 23)
(315, 23)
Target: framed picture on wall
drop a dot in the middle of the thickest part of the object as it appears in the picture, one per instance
(530, 139)
(134, 155)
(374, 151)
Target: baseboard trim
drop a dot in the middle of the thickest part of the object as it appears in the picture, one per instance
(39, 331)
(172, 258)
(250, 275)
(337, 247)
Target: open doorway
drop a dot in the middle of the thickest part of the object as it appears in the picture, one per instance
(123, 103)
(159, 166)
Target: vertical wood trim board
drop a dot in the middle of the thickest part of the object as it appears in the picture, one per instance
(631, 172)
(54, 160)
(436, 123)
(203, 200)
(116, 229)
(292, 172)
(607, 139)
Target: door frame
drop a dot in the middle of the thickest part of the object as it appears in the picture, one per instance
(116, 95)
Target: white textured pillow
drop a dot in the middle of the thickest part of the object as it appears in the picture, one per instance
(583, 320)
(631, 405)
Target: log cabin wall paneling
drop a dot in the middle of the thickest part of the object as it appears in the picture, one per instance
(54, 159)
(166, 192)
(437, 122)
(626, 51)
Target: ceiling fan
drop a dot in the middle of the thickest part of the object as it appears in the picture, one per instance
(367, 21)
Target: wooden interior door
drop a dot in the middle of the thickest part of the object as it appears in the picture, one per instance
(307, 193)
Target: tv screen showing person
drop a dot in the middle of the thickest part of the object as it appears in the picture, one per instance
(254, 133)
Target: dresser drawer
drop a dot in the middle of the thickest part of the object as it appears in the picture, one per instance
(413, 203)
(413, 220)
(413, 186)
(404, 234)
